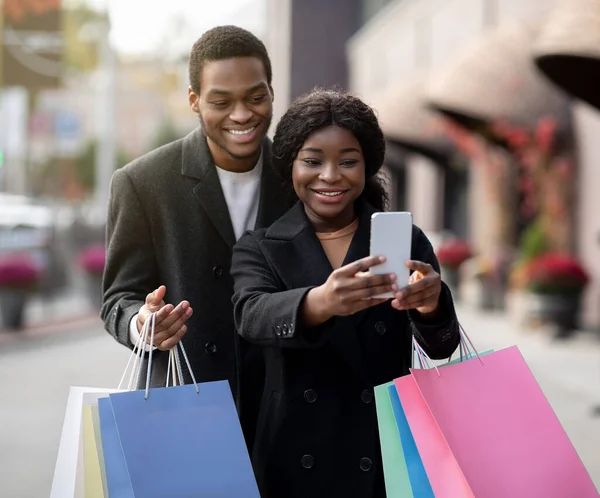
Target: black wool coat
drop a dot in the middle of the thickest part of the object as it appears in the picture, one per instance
(317, 432)
(169, 223)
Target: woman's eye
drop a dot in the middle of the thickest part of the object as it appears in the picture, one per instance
(349, 163)
(312, 162)
(221, 103)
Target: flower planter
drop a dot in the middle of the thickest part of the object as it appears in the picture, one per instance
(556, 282)
(451, 277)
(92, 260)
(558, 310)
(12, 307)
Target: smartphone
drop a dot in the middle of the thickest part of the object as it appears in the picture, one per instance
(391, 236)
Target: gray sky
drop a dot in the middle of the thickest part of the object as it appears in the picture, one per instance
(140, 27)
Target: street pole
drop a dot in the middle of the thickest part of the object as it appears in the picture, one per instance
(106, 118)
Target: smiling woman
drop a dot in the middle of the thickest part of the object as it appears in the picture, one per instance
(328, 176)
(304, 293)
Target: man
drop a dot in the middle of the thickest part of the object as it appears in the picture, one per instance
(175, 214)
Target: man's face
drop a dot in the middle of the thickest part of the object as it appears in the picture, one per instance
(235, 106)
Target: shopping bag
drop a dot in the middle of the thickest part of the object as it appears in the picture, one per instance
(395, 473)
(404, 472)
(444, 474)
(99, 447)
(91, 462)
(419, 482)
(497, 426)
(69, 470)
(118, 483)
(182, 440)
(182, 443)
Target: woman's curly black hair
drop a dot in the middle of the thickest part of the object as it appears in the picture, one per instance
(320, 109)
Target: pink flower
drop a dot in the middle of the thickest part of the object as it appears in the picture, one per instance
(93, 259)
(544, 133)
(18, 270)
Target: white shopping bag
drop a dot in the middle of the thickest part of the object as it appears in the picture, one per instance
(68, 472)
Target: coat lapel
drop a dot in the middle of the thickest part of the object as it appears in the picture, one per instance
(272, 205)
(197, 163)
(292, 238)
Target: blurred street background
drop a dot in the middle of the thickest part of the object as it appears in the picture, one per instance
(491, 111)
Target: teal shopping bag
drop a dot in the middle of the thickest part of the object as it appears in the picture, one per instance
(397, 482)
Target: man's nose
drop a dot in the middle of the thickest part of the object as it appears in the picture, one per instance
(240, 113)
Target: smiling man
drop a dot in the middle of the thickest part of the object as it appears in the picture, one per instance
(175, 214)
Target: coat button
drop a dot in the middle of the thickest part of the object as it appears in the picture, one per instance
(307, 461)
(284, 329)
(366, 396)
(210, 348)
(310, 395)
(278, 330)
(217, 271)
(366, 464)
(380, 328)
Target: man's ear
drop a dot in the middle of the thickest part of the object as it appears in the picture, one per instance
(193, 100)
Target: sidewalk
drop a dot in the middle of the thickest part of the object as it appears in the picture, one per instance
(574, 364)
(53, 315)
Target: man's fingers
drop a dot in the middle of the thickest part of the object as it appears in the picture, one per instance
(163, 313)
(170, 343)
(171, 325)
(156, 297)
(183, 309)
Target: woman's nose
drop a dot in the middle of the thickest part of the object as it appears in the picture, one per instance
(330, 173)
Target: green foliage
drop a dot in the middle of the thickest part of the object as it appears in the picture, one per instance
(533, 242)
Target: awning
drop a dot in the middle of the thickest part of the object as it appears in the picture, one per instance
(495, 80)
(568, 49)
(407, 122)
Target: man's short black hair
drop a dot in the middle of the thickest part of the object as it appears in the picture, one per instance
(225, 42)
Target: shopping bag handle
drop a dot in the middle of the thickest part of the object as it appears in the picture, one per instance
(465, 344)
(174, 369)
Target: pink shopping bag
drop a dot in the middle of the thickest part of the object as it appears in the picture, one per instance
(500, 429)
(445, 476)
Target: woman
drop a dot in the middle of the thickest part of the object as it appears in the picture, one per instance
(302, 291)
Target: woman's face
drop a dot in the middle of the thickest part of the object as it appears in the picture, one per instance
(329, 175)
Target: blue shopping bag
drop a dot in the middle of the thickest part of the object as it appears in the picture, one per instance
(117, 476)
(419, 481)
(180, 442)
